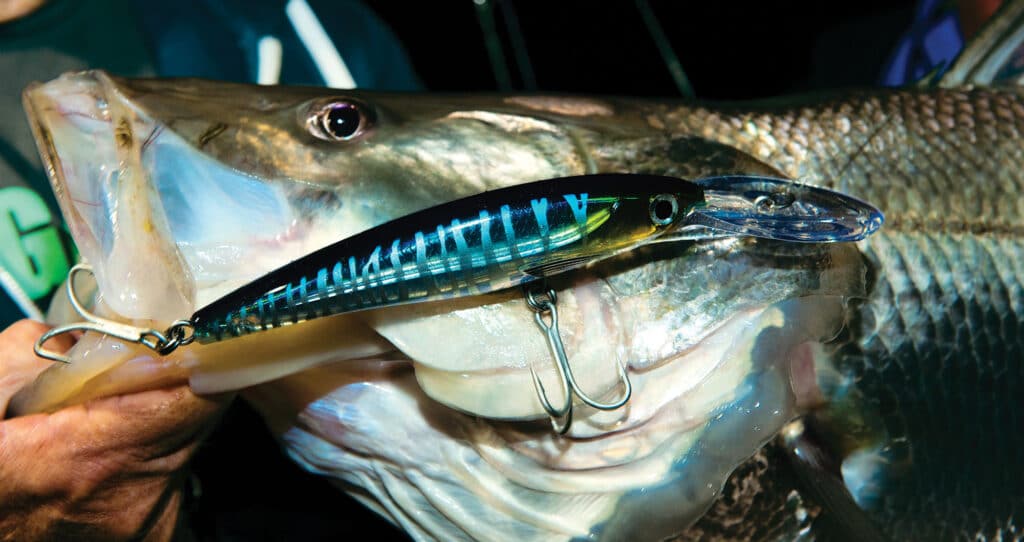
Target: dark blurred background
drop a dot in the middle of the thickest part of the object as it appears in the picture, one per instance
(245, 488)
(728, 49)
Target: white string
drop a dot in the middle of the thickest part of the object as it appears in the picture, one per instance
(269, 52)
(325, 55)
(24, 302)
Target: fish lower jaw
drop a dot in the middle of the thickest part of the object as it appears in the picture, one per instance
(659, 462)
(676, 394)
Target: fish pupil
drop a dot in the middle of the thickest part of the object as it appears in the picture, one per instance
(342, 121)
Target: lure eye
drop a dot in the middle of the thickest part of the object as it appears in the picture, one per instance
(339, 120)
(664, 208)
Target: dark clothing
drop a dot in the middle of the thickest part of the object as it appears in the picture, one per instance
(931, 43)
(63, 35)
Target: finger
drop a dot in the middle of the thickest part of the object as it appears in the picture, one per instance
(85, 470)
(144, 437)
(152, 424)
(18, 363)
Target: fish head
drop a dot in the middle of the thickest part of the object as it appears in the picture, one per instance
(179, 191)
(232, 182)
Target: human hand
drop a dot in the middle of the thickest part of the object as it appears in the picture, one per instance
(110, 469)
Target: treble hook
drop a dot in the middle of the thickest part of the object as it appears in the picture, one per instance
(164, 343)
(561, 418)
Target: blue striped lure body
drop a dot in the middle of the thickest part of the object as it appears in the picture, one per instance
(488, 242)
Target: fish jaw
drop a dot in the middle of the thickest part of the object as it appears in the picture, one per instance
(87, 138)
(440, 474)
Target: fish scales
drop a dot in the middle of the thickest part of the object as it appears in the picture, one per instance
(927, 169)
(938, 346)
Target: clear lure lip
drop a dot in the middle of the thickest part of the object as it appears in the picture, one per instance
(779, 209)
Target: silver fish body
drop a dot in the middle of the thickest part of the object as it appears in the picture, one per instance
(905, 348)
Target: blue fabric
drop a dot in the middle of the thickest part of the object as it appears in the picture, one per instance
(932, 41)
(217, 39)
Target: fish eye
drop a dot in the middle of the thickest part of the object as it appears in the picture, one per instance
(663, 210)
(339, 120)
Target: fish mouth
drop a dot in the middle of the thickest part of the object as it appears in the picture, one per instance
(87, 139)
(130, 187)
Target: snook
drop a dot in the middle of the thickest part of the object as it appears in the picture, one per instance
(180, 190)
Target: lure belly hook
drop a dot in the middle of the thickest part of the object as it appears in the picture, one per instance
(543, 303)
(501, 239)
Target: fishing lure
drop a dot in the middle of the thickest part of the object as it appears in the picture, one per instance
(487, 242)
(507, 237)
(502, 239)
